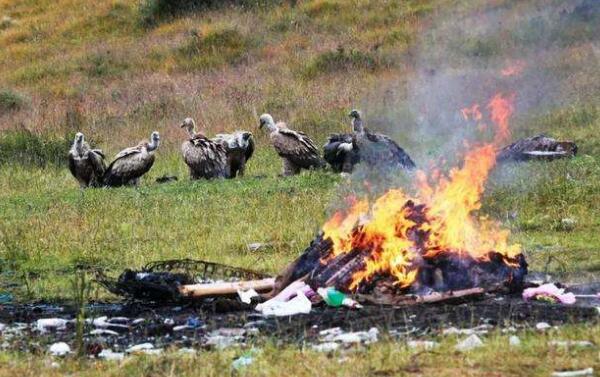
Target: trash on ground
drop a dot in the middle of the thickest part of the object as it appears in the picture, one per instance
(549, 293)
(297, 305)
(247, 295)
(470, 343)
(571, 343)
(107, 354)
(244, 360)
(335, 298)
(514, 341)
(48, 324)
(338, 335)
(479, 330)
(574, 373)
(59, 349)
(326, 347)
(140, 347)
(422, 344)
(542, 326)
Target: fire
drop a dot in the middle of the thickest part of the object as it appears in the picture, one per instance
(400, 230)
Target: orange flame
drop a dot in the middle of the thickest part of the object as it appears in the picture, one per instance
(442, 212)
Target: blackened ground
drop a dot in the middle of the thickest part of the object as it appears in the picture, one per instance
(135, 323)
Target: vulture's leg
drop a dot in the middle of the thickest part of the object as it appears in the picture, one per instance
(242, 168)
(289, 168)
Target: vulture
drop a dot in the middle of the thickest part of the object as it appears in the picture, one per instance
(341, 152)
(540, 147)
(377, 150)
(295, 148)
(239, 147)
(206, 158)
(87, 165)
(132, 163)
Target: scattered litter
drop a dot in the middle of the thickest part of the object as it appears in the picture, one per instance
(246, 296)
(193, 322)
(514, 341)
(48, 324)
(298, 305)
(187, 351)
(479, 330)
(542, 326)
(223, 338)
(140, 347)
(104, 332)
(335, 298)
(257, 246)
(326, 347)
(2, 327)
(292, 290)
(337, 335)
(107, 354)
(470, 343)
(244, 360)
(575, 373)
(550, 293)
(59, 349)
(571, 343)
(422, 344)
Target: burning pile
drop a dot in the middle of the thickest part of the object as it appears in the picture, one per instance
(431, 240)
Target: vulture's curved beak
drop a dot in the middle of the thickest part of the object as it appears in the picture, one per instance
(262, 123)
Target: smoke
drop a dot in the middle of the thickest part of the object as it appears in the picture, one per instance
(464, 56)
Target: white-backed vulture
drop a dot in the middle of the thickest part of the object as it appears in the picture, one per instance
(132, 163)
(377, 150)
(295, 148)
(239, 147)
(206, 158)
(87, 165)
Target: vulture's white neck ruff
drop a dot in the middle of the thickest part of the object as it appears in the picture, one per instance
(153, 145)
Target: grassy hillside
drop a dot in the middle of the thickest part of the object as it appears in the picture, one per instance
(117, 70)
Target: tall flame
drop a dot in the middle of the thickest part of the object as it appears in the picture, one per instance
(399, 229)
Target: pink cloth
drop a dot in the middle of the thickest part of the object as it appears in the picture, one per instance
(550, 291)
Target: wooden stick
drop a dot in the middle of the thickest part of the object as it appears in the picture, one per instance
(406, 300)
(437, 297)
(218, 289)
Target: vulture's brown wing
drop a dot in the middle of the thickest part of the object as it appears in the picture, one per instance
(132, 165)
(205, 157)
(96, 159)
(381, 151)
(296, 147)
(72, 166)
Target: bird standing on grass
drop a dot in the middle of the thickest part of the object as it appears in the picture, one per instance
(239, 147)
(132, 163)
(206, 158)
(87, 165)
(296, 149)
(377, 150)
(341, 152)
